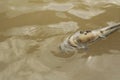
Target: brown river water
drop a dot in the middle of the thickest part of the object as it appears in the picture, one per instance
(32, 30)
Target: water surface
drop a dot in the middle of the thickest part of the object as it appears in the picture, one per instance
(32, 30)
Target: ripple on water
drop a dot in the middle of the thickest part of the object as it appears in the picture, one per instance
(86, 14)
(39, 58)
(42, 31)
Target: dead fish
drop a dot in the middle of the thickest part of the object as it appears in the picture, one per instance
(82, 39)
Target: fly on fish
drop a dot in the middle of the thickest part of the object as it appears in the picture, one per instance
(82, 39)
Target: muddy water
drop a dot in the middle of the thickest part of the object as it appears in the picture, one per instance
(31, 31)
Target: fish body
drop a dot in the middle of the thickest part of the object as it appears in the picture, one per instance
(81, 39)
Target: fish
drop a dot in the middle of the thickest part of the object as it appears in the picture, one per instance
(82, 39)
